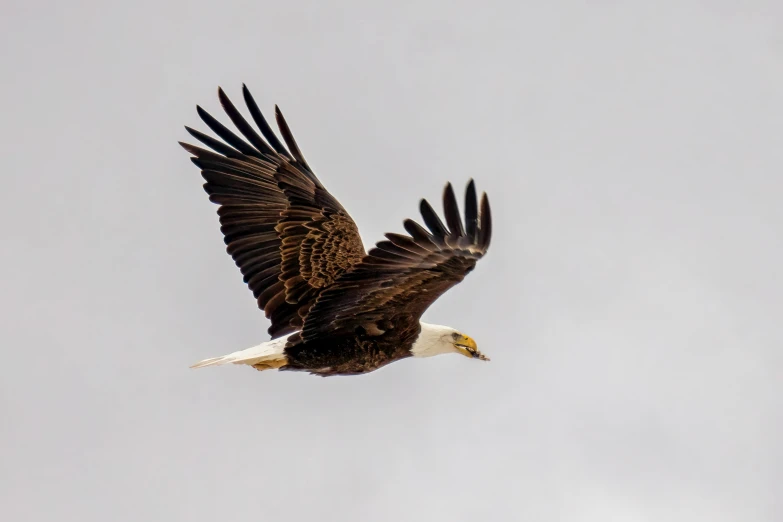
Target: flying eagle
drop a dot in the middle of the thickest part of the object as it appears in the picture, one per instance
(335, 309)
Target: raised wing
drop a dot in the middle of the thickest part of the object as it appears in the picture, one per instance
(287, 234)
(404, 275)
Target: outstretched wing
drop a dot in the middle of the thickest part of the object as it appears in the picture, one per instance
(287, 234)
(404, 275)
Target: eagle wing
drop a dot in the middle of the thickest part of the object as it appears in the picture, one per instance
(287, 234)
(405, 274)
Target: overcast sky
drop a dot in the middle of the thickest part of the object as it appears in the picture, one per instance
(630, 302)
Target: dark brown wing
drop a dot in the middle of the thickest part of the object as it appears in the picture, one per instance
(405, 274)
(288, 235)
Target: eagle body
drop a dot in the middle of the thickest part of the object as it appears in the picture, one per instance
(335, 309)
(353, 354)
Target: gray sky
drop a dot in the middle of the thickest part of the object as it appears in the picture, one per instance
(630, 302)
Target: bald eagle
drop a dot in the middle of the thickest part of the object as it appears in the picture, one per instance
(335, 309)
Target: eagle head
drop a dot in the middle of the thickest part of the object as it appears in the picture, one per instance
(435, 340)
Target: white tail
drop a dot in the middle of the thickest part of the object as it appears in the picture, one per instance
(266, 356)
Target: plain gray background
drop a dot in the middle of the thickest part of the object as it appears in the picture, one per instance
(631, 300)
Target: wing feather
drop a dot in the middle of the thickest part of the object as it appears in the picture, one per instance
(432, 220)
(471, 211)
(287, 234)
(241, 123)
(418, 234)
(403, 275)
(227, 136)
(263, 125)
(451, 211)
(289, 139)
(485, 229)
(210, 142)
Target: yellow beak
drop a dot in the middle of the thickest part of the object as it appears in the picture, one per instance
(467, 347)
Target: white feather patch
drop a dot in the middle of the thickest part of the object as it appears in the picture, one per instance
(270, 354)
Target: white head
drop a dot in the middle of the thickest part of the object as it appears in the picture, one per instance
(435, 340)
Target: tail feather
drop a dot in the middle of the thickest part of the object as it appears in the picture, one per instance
(265, 356)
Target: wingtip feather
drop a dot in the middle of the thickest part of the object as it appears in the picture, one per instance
(471, 210)
(485, 223)
(451, 211)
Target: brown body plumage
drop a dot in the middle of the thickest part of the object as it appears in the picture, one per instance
(301, 254)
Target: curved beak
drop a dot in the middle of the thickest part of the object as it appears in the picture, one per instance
(467, 347)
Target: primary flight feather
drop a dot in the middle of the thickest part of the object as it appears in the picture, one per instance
(335, 309)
